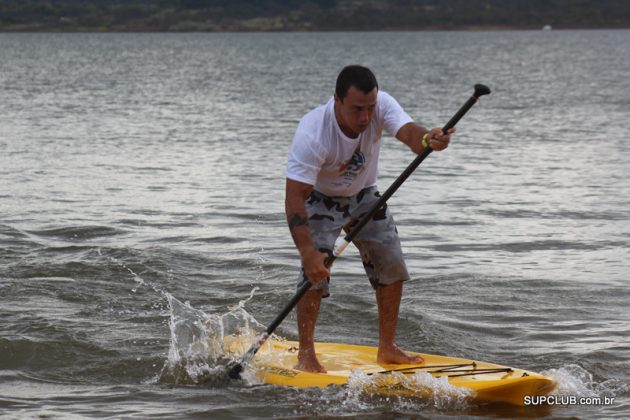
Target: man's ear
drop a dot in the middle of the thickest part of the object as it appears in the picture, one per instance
(337, 100)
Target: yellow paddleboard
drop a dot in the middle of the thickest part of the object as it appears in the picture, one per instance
(487, 382)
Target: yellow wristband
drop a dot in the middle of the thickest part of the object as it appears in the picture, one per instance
(425, 142)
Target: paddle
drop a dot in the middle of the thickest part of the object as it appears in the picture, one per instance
(236, 369)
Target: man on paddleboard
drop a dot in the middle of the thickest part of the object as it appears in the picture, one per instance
(331, 181)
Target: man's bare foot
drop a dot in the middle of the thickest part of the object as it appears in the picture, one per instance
(394, 355)
(309, 364)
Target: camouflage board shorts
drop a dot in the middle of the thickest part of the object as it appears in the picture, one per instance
(378, 241)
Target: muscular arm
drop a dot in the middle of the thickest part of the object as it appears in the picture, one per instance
(296, 195)
(312, 259)
(411, 134)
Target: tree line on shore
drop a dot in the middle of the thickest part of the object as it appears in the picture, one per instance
(309, 15)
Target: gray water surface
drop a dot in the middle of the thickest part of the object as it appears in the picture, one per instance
(138, 166)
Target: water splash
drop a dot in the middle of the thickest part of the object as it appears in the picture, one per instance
(408, 391)
(366, 393)
(199, 351)
(576, 381)
(140, 282)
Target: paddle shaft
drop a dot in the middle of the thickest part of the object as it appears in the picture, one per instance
(236, 369)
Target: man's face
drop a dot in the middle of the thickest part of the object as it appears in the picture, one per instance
(354, 112)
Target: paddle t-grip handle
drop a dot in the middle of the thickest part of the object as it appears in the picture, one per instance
(480, 90)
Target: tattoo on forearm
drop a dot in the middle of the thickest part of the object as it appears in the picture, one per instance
(297, 219)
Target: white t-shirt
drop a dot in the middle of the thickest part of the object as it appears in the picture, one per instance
(336, 165)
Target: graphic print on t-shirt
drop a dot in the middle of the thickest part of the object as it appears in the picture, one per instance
(349, 170)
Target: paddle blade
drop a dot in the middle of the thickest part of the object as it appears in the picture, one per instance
(235, 370)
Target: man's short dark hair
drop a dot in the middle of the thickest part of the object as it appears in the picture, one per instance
(358, 76)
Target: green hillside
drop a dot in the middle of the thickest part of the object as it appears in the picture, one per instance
(321, 15)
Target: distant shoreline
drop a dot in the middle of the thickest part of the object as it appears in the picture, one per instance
(184, 16)
(489, 28)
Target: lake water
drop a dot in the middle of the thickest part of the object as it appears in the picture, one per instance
(138, 171)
